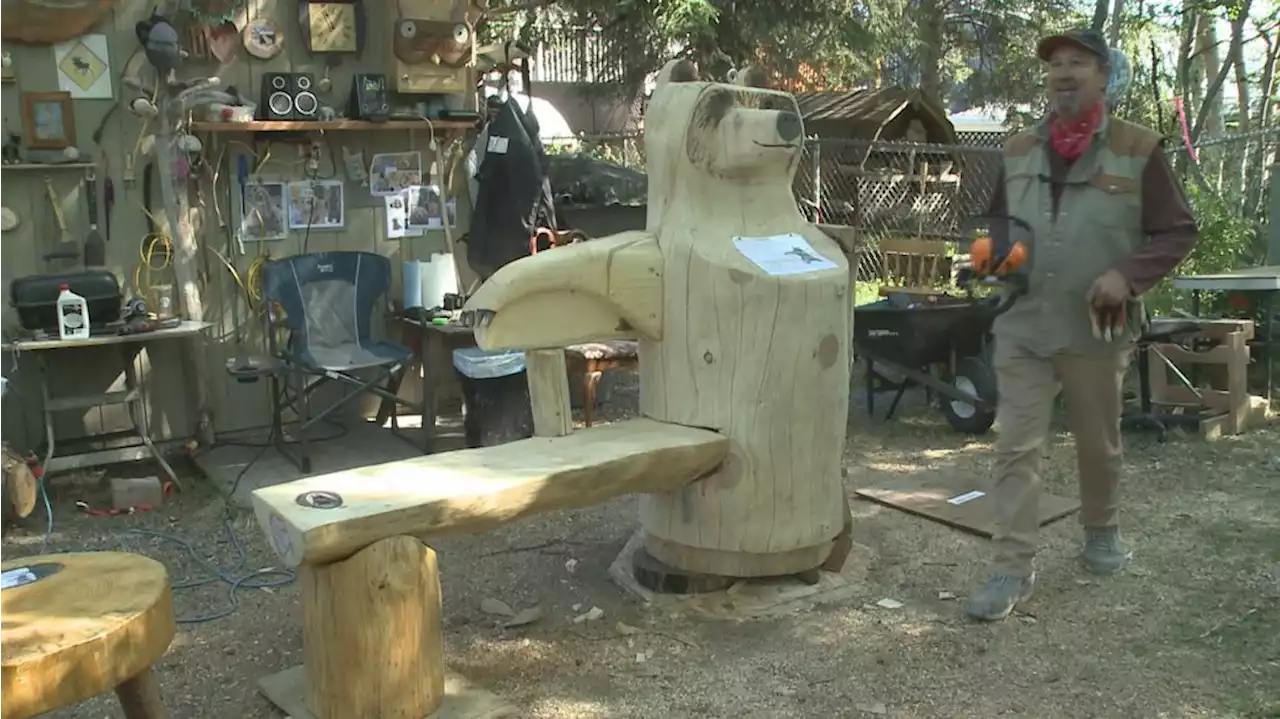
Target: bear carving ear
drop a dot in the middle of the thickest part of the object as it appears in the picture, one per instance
(750, 77)
(680, 70)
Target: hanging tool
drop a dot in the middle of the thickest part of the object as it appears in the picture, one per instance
(66, 246)
(108, 203)
(242, 179)
(95, 249)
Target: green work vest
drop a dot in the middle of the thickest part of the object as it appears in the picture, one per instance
(1098, 225)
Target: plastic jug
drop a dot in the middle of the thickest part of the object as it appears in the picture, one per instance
(73, 315)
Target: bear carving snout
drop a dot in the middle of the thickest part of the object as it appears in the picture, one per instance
(789, 126)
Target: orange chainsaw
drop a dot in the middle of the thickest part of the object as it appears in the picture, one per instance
(998, 256)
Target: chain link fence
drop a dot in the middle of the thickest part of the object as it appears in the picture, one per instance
(902, 191)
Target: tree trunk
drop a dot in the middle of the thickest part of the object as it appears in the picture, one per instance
(931, 48)
(1257, 158)
(1117, 19)
(1209, 120)
(1185, 69)
(1099, 15)
(1237, 156)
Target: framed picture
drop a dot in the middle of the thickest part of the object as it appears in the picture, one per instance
(262, 213)
(316, 205)
(48, 121)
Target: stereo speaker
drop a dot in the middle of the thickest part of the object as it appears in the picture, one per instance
(288, 96)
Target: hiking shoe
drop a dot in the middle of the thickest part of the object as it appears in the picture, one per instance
(1104, 551)
(997, 598)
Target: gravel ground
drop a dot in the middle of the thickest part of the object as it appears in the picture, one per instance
(1192, 629)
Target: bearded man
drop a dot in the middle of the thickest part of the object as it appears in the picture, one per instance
(1108, 220)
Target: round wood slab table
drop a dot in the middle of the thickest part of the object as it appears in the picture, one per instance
(75, 625)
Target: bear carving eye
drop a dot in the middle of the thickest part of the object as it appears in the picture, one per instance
(408, 28)
(717, 104)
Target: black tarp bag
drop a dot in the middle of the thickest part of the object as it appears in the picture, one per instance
(513, 197)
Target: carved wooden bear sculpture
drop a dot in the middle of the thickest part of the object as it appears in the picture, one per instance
(761, 358)
(743, 314)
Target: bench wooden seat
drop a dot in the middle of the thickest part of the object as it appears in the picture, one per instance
(476, 490)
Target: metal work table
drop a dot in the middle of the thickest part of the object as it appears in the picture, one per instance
(130, 396)
(1264, 281)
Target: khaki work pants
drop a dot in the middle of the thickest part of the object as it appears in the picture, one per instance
(1028, 385)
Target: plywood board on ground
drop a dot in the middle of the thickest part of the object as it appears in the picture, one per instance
(462, 699)
(964, 507)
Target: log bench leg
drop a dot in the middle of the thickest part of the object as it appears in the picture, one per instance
(372, 638)
(140, 697)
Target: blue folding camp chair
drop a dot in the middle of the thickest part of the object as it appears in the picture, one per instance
(327, 299)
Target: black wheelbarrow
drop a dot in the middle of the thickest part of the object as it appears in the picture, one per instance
(942, 343)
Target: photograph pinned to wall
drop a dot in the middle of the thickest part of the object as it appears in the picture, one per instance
(263, 213)
(394, 172)
(424, 208)
(398, 217)
(84, 67)
(316, 205)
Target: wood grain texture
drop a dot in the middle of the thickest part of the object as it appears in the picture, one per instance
(762, 359)
(104, 618)
(606, 289)
(20, 486)
(549, 392)
(476, 490)
(372, 638)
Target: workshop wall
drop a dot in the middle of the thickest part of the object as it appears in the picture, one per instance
(234, 405)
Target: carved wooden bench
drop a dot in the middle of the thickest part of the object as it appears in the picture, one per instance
(370, 586)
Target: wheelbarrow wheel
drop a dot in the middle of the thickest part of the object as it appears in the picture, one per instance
(973, 375)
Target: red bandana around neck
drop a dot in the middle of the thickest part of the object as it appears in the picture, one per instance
(1071, 139)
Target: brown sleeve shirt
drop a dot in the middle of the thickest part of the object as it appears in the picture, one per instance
(1166, 220)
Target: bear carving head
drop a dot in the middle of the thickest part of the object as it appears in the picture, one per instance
(702, 134)
(735, 131)
(726, 130)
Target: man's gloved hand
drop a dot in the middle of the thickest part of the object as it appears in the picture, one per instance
(1109, 290)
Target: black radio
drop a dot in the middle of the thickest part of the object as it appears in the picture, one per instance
(370, 98)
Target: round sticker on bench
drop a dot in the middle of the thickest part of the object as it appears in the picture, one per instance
(320, 499)
(30, 574)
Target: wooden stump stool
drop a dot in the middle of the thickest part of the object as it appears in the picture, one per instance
(76, 625)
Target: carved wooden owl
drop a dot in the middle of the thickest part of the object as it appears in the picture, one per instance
(435, 42)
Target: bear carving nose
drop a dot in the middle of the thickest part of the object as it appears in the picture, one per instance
(789, 126)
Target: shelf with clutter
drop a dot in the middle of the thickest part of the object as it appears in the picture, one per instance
(49, 166)
(256, 126)
(205, 159)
